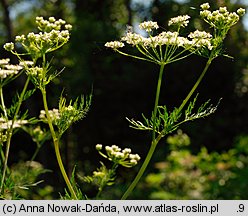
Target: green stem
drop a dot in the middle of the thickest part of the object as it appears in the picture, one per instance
(10, 133)
(154, 140)
(142, 169)
(2, 103)
(35, 153)
(157, 99)
(56, 146)
(196, 85)
(6, 118)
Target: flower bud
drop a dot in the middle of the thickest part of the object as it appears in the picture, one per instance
(9, 46)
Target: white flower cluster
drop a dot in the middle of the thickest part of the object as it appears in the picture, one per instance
(148, 26)
(6, 124)
(26, 63)
(221, 18)
(69, 112)
(200, 42)
(119, 156)
(7, 69)
(54, 115)
(51, 24)
(165, 38)
(181, 21)
(200, 39)
(133, 38)
(195, 40)
(114, 44)
(51, 37)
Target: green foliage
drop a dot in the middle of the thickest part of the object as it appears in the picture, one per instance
(71, 113)
(101, 178)
(76, 188)
(95, 26)
(166, 122)
(203, 175)
(23, 180)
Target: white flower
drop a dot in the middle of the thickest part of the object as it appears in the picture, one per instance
(68, 27)
(200, 34)
(134, 157)
(20, 39)
(13, 67)
(4, 61)
(202, 43)
(9, 46)
(126, 151)
(26, 63)
(51, 19)
(223, 10)
(222, 19)
(114, 44)
(119, 155)
(181, 21)
(8, 69)
(241, 11)
(206, 13)
(7, 124)
(201, 39)
(116, 148)
(108, 148)
(148, 26)
(205, 6)
(4, 73)
(99, 147)
(133, 38)
(133, 162)
(53, 114)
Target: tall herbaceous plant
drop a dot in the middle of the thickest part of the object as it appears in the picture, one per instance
(32, 52)
(158, 47)
(165, 47)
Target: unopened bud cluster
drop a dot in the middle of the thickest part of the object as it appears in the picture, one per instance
(119, 156)
(66, 116)
(53, 34)
(221, 18)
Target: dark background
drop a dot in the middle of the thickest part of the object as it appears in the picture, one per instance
(124, 87)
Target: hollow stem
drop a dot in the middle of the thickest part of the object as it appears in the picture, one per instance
(161, 71)
(142, 169)
(154, 139)
(56, 146)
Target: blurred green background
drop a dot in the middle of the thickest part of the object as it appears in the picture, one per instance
(208, 160)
